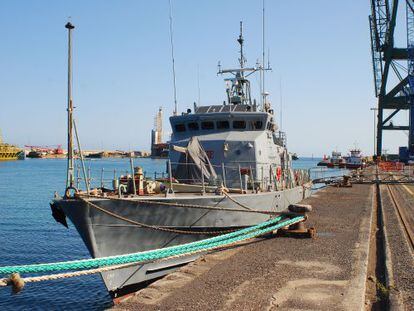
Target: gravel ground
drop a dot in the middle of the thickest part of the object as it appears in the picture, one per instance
(325, 273)
(401, 254)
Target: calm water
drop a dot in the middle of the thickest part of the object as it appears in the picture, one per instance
(29, 234)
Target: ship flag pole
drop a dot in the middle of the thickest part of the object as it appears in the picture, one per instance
(70, 180)
(173, 60)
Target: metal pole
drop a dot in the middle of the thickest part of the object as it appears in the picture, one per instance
(223, 169)
(202, 179)
(102, 177)
(70, 169)
(81, 157)
(170, 175)
(173, 60)
(263, 56)
(241, 182)
(89, 175)
(77, 176)
(134, 186)
(375, 130)
(261, 171)
(251, 176)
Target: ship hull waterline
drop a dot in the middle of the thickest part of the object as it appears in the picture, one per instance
(105, 235)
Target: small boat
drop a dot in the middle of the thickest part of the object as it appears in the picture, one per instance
(96, 155)
(355, 159)
(336, 160)
(35, 154)
(325, 161)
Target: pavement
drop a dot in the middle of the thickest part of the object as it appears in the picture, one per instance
(326, 273)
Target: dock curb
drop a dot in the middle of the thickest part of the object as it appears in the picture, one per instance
(395, 299)
(356, 297)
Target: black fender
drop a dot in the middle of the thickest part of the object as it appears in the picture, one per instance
(58, 214)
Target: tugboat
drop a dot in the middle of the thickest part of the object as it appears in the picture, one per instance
(355, 160)
(336, 160)
(228, 168)
(9, 152)
(325, 161)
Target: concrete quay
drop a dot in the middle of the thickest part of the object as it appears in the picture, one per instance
(354, 263)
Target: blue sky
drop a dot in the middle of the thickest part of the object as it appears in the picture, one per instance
(319, 50)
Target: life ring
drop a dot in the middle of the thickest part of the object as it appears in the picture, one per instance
(68, 193)
(278, 173)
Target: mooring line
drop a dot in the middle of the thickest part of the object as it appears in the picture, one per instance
(97, 265)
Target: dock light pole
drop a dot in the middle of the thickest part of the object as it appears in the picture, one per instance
(375, 127)
(70, 180)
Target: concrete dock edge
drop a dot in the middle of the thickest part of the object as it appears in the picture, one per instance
(395, 299)
(356, 294)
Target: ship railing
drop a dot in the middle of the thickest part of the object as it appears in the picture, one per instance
(320, 174)
(242, 176)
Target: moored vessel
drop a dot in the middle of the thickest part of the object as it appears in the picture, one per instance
(355, 159)
(9, 152)
(228, 167)
(336, 160)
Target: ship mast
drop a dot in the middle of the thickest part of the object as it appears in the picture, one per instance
(239, 90)
(70, 179)
(242, 60)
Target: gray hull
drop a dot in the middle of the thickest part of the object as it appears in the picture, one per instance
(105, 235)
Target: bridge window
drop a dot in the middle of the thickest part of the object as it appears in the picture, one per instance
(193, 126)
(239, 125)
(223, 125)
(207, 125)
(257, 125)
(180, 127)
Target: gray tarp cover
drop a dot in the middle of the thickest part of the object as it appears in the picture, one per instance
(193, 163)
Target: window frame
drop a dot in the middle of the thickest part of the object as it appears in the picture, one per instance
(207, 122)
(241, 122)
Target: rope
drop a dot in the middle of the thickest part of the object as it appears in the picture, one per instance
(159, 228)
(228, 240)
(152, 255)
(237, 202)
(250, 210)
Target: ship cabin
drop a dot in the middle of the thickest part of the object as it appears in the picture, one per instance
(242, 144)
(236, 143)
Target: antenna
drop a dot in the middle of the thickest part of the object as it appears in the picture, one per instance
(241, 40)
(173, 61)
(198, 84)
(262, 71)
(70, 178)
(281, 104)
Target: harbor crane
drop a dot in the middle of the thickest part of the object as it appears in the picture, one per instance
(387, 59)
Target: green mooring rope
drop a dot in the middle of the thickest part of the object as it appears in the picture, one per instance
(203, 245)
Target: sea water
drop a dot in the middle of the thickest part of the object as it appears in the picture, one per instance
(29, 234)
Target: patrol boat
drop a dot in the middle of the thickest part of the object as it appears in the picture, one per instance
(228, 168)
